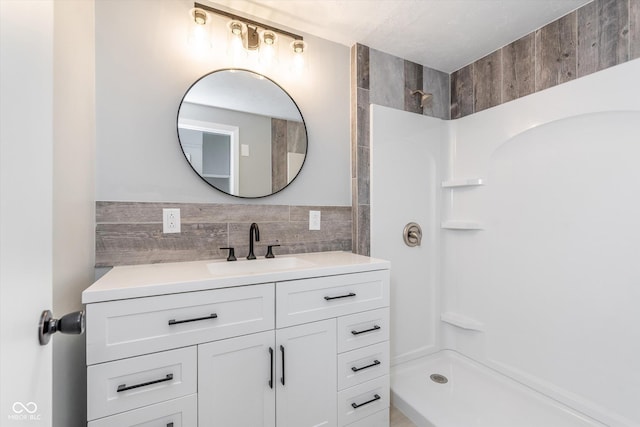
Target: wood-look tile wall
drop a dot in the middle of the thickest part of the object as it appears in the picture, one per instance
(383, 79)
(599, 35)
(286, 137)
(131, 232)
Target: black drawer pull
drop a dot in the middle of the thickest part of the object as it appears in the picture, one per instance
(350, 294)
(375, 397)
(375, 328)
(375, 363)
(197, 319)
(170, 424)
(282, 378)
(271, 367)
(124, 387)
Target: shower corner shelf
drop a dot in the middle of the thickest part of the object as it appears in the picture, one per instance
(469, 182)
(461, 321)
(461, 225)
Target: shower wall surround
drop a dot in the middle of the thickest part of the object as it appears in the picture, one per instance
(131, 232)
(383, 79)
(599, 35)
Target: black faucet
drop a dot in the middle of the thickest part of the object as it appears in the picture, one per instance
(254, 228)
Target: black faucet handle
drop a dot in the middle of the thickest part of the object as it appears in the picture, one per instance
(270, 251)
(232, 254)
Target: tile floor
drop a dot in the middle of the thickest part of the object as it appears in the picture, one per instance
(397, 419)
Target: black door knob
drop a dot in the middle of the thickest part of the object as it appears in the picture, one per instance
(72, 323)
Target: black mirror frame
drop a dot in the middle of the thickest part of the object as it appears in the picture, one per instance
(306, 134)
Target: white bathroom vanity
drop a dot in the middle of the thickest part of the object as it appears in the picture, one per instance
(293, 341)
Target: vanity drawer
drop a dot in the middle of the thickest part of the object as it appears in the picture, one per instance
(363, 364)
(182, 412)
(362, 329)
(379, 419)
(308, 300)
(131, 383)
(118, 329)
(368, 398)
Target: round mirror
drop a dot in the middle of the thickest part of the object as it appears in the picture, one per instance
(242, 133)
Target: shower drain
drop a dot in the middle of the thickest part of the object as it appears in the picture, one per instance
(440, 379)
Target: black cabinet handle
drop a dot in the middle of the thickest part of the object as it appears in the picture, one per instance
(271, 367)
(375, 328)
(124, 387)
(282, 378)
(197, 319)
(375, 397)
(350, 294)
(375, 363)
(170, 424)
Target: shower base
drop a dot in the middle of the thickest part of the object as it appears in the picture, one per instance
(463, 393)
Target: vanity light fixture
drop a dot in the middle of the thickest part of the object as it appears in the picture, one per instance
(247, 36)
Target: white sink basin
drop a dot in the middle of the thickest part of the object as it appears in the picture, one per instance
(256, 266)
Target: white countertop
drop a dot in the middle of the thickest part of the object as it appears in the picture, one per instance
(135, 281)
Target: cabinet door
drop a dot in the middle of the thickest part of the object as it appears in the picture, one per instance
(234, 377)
(306, 375)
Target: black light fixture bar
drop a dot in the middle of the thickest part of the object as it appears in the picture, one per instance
(247, 21)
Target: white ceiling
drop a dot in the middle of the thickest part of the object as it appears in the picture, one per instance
(441, 34)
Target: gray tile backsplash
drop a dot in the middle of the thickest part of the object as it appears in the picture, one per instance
(555, 52)
(386, 74)
(437, 83)
(518, 68)
(600, 34)
(412, 81)
(462, 92)
(131, 233)
(488, 73)
(634, 29)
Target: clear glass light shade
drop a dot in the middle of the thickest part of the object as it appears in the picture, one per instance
(298, 61)
(236, 51)
(268, 50)
(199, 31)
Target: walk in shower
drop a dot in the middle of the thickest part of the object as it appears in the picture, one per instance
(525, 290)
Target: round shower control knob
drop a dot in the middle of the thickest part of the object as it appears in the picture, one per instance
(412, 234)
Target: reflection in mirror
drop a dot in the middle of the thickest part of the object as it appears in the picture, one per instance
(242, 133)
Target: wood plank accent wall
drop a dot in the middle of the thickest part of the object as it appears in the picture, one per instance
(599, 35)
(131, 232)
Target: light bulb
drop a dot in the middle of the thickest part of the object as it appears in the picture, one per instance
(199, 35)
(298, 60)
(268, 50)
(236, 50)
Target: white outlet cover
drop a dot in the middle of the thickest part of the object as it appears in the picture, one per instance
(314, 220)
(171, 220)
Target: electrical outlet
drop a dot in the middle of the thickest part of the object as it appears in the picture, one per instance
(170, 220)
(314, 220)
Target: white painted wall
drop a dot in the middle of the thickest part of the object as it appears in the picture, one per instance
(143, 68)
(554, 275)
(73, 197)
(406, 159)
